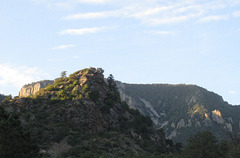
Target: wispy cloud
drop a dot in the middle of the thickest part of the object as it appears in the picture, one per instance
(213, 18)
(17, 76)
(160, 32)
(63, 46)
(156, 13)
(236, 14)
(232, 92)
(93, 1)
(151, 11)
(88, 15)
(82, 31)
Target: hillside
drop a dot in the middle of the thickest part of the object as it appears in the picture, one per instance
(2, 97)
(82, 116)
(182, 110)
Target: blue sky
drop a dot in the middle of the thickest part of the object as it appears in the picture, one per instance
(138, 41)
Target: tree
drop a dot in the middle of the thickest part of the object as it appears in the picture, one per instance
(201, 145)
(14, 141)
(111, 83)
(8, 98)
(64, 74)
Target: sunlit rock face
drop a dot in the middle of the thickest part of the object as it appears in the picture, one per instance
(181, 110)
(33, 88)
(217, 116)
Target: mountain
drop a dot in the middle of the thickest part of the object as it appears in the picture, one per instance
(182, 110)
(83, 116)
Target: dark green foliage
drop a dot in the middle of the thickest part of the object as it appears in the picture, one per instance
(204, 145)
(201, 145)
(94, 95)
(83, 116)
(14, 141)
(111, 83)
(141, 124)
(8, 98)
(197, 110)
(63, 74)
(2, 97)
(176, 102)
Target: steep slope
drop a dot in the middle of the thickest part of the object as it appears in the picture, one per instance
(82, 116)
(182, 110)
(34, 87)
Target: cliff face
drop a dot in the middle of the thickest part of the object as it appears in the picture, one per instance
(84, 112)
(33, 88)
(182, 110)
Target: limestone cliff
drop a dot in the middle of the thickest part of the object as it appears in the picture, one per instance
(181, 109)
(33, 88)
(84, 111)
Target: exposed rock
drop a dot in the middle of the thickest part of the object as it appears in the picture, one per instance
(172, 135)
(61, 119)
(192, 100)
(181, 124)
(230, 120)
(129, 100)
(229, 126)
(173, 125)
(206, 116)
(33, 88)
(176, 101)
(148, 105)
(198, 124)
(164, 124)
(217, 116)
(58, 147)
(189, 123)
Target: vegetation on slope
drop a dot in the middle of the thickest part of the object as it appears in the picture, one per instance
(2, 97)
(82, 116)
(15, 142)
(182, 110)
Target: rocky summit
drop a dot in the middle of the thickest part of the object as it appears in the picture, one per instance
(83, 116)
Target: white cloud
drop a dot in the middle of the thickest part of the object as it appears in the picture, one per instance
(213, 18)
(151, 11)
(82, 31)
(124, 12)
(236, 14)
(159, 32)
(154, 12)
(17, 76)
(63, 5)
(64, 46)
(93, 1)
(88, 15)
(232, 92)
(168, 20)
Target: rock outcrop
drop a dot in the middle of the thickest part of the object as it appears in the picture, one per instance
(181, 124)
(33, 88)
(83, 110)
(186, 108)
(217, 116)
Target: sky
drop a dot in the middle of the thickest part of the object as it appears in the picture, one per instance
(138, 41)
